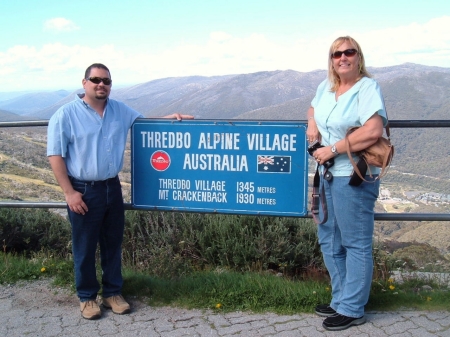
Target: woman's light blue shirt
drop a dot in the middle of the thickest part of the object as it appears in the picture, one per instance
(353, 108)
(92, 147)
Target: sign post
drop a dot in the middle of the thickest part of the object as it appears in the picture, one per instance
(237, 167)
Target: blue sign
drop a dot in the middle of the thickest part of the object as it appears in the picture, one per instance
(238, 167)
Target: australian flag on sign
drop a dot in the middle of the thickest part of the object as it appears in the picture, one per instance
(274, 164)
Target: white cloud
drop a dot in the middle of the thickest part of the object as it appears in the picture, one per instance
(54, 66)
(61, 66)
(221, 54)
(60, 25)
(427, 44)
(220, 36)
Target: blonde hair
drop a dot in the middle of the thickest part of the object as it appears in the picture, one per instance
(332, 75)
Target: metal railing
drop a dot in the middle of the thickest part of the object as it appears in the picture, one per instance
(378, 216)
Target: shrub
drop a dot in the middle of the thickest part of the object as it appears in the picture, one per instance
(30, 230)
(182, 242)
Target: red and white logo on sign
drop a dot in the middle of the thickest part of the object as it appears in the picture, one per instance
(160, 160)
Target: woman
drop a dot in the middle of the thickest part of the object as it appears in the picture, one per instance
(348, 97)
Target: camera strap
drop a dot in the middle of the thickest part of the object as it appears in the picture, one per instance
(318, 198)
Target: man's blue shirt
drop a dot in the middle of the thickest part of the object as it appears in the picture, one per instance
(92, 147)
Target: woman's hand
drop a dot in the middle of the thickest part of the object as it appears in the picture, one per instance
(322, 154)
(312, 132)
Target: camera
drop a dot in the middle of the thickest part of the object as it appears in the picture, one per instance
(316, 145)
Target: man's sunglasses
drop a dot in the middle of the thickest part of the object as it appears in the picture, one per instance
(347, 52)
(97, 80)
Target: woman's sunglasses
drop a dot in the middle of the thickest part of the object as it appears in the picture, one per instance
(97, 80)
(347, 52)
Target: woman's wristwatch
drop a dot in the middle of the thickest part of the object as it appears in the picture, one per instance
(334, 150)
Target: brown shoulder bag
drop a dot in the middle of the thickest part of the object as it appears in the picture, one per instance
(379, 154)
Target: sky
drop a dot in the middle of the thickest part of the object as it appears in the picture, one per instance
(48, 44)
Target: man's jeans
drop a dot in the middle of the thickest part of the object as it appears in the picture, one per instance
(103, 224)
(346, 243)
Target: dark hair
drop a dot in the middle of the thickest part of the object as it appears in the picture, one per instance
(96, 65)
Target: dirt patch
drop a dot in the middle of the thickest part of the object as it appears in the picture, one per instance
(38, 294)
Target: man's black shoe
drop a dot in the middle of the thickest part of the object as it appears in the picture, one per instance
(325, 310)
(340, 322)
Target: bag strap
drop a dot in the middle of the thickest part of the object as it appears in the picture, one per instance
(388, 132)
(347, 146)
(318, 198)
(385, 167)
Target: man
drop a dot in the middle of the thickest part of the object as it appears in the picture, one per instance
(86, 143)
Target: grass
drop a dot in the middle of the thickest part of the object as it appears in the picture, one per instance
(230, 291)
(414, 293)
(226, 291)
(17, 267)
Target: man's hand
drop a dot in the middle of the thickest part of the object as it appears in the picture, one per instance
(74, 198)
(75, 202)
(179, 116)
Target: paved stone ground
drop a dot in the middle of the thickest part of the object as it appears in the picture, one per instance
(38, 309)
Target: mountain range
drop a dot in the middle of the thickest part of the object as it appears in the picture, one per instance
(411, 91)
(30, 103)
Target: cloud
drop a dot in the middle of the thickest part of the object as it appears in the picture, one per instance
(220, 36)
(54, 66)
(60, 25)
(60, 66)
(222, 53)
(427, 44)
